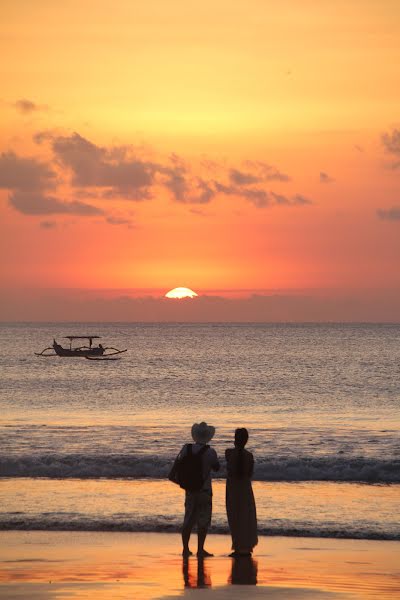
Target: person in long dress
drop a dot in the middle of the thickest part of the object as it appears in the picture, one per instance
(240, 503)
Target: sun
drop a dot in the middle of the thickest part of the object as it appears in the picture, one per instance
(181, 292)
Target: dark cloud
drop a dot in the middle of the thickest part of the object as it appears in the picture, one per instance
(26, 107)
(96, 166)
(85, 194)
(325, 178)
(48, 224)
(266, 172)
(228, 190)
(36, 203)
(389, 214)
(296, 200)
(44, 136)
(391, 143)
(119, 221)
(177, 183)
(126, 194)
(201, 213)
(280, 199)
(187, 189)
(240, 178)
(195, 190)
(263, 172)
(178, 162)
(210, 165)
(261, 198)
(300, 200)
(24, 173)
(83, 209)
(112, 194)
(121, 172)
(204, 192)
(94, 305)
(256, 196)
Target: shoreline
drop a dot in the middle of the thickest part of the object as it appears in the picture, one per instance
(148, 566)
(289, 534)
(310, 510)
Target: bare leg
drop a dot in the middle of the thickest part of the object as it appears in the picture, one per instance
(201, 537)
(185, 540)
(188, 524)
(186, 531)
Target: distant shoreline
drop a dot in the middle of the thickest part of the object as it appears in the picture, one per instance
(244, 323)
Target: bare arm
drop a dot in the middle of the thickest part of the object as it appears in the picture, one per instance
(215, 465)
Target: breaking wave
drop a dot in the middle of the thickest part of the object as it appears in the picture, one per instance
(83, 466)
(128, 523)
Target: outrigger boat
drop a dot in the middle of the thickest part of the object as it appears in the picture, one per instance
(90, 352)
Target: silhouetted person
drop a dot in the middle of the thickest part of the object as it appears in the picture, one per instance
(192, 471)
(240, 504)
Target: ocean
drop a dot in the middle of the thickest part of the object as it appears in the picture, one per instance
(87, 445)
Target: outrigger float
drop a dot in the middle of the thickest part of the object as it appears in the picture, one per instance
(90, 352)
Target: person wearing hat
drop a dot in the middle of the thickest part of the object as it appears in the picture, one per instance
(198, 504)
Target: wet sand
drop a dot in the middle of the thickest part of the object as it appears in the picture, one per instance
(148, 566)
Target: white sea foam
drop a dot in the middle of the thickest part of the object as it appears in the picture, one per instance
(60, 466)
(74, 522)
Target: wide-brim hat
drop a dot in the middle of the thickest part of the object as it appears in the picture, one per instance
(202, 433)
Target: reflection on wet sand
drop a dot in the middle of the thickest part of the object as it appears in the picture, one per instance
(196, 573)
(202, 577)
(148, 566)
(244, 571)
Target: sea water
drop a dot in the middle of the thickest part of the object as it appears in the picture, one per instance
(88, 444)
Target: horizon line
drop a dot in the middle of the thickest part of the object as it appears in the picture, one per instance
(172, 322)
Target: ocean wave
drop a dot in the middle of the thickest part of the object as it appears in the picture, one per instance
(83, 466)
(73, 522)
(340, 469)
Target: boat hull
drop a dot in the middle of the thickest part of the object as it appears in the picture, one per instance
(77, 352)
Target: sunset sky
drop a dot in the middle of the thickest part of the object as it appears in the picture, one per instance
(249, 147)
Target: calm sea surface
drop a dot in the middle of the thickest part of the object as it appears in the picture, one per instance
(87, 444)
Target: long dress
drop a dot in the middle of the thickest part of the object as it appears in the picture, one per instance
(240, 504)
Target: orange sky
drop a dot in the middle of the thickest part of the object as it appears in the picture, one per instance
(215, 145)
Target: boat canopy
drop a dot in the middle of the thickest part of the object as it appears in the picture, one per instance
(81, 337)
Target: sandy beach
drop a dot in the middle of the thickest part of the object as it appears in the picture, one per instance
(148, 566)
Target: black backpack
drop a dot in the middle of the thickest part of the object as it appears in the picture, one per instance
(190, 469)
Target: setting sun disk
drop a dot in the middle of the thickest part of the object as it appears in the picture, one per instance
(181, 292)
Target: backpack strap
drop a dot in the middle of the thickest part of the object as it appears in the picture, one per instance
(202, 450)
